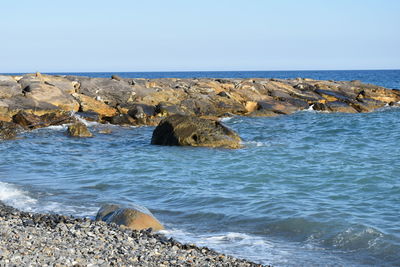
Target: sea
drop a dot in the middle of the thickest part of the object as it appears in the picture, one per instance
(307, 189)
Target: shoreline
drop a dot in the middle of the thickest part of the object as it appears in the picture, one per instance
(58, 240)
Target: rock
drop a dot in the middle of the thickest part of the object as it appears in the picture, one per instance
(52, 95)
(32, 121)
(181, 130)
(122, 119)
(79, 130)
(141, 111)
(9, 130)
(9, 87)
(108, 91)
(164, 110)
(251, 106)
(20, 103)
(199, 107)
(27, 120)
(380, 94)
(278, 107)
(334, 106)
(133, 217)
(116, 77)
(89, 104)
(60, 82)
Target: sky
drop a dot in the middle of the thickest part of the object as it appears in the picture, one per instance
(203, 35)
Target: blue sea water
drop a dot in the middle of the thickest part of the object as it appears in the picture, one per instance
(308, 189)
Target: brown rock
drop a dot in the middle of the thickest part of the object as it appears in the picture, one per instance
(89, 104)
(181, 130)
(33, 121)
(52, 95)
(251, 106)
(79, 130)
(9, 130)
(134, 217)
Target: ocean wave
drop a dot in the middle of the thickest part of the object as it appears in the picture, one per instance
(13, 196)
(18, 198)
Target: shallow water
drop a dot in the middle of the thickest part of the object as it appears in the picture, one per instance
(306, 189)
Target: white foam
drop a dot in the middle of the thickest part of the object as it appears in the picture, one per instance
(20, 199)
(233, 243)
(310, 108)
(62, 127)
(11, 195)
(255, 144)
(226, 119)
(82, 120)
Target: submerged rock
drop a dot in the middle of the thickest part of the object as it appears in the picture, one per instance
(182, 130)
(9, 130)
(79, 130)
(134, 217)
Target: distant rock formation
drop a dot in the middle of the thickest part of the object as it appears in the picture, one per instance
(147, 101)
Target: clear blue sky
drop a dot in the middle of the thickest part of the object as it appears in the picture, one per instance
(185, 35)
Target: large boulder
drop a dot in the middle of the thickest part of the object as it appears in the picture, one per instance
(79, 130)
(9, 130)
(50, 94)
(182, 130)
(133, 217)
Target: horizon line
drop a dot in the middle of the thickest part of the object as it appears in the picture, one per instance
(188, 71)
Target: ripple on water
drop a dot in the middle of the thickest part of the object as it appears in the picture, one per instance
(305, 187)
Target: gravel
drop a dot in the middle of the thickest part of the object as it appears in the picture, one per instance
(31, 239)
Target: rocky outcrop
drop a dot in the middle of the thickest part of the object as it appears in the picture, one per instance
(9, 130)
(134, 217)
(138, 102)
(182, 130)
(79, 130)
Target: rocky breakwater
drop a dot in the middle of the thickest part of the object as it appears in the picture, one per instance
(38, 100)
(30, 239)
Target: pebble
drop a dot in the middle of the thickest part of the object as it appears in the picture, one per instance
(29, 239)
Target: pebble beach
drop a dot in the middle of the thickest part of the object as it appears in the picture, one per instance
(31, 239)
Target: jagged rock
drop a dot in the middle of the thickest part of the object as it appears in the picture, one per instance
(79, 130)
(32, 121)
(27, 120)
(89, 104)
(9, 130)
(181, 130)
(133, 217)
